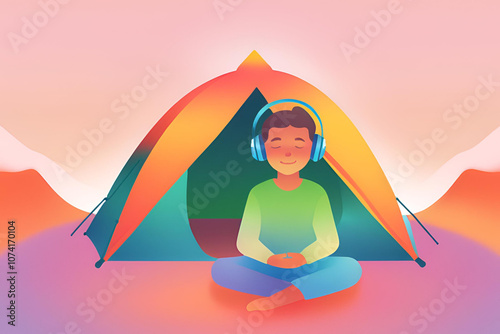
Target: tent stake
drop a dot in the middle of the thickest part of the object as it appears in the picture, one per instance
(106, 198)
(418, 221)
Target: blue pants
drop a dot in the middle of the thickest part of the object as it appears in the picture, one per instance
(320, 278)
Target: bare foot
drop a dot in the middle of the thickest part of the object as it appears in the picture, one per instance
(283, 297)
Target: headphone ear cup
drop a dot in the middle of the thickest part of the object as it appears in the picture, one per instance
(258, 148)
(318, 148)
(323, 148)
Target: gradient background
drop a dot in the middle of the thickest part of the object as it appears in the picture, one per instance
(428, 58)
(395, 90)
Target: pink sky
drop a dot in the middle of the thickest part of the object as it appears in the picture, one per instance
(396, 90)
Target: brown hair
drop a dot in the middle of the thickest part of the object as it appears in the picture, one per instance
(297, 117)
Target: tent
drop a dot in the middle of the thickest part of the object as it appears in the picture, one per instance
(194, 170)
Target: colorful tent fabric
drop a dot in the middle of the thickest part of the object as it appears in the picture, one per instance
(196, 164)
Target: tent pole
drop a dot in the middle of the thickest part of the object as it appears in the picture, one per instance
(106, 198)
(418, 221)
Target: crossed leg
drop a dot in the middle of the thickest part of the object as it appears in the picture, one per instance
(283, 286)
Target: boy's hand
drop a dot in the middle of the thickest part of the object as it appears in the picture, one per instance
(280, 260)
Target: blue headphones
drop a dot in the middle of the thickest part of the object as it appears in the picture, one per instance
(257, 144)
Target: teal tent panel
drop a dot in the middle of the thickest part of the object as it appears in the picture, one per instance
(362, 237)
(165, 233)
(103, 225)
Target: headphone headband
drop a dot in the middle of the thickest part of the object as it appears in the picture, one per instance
(271, 104)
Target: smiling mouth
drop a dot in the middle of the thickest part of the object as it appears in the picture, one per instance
(288, 163)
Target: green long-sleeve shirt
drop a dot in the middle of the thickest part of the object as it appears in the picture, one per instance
(276, 221)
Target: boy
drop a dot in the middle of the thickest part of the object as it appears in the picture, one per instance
(287, 230)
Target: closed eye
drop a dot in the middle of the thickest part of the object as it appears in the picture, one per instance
(299, 140)
(275, 146)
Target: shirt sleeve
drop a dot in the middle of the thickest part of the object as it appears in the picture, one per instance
(248, 242)
(327, 239)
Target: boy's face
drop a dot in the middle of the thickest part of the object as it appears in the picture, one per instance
(288, 149)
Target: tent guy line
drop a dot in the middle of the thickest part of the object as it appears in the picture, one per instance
(418, 221)
(105, 198)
